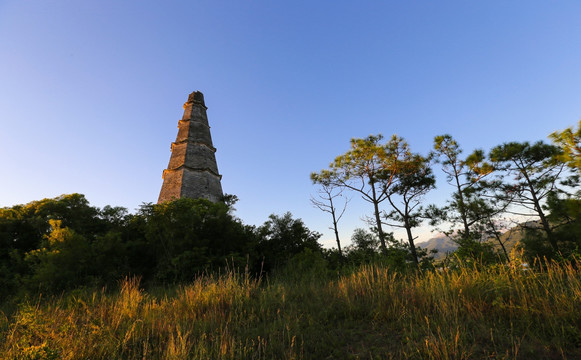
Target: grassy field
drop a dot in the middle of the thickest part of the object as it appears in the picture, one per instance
(369, 313)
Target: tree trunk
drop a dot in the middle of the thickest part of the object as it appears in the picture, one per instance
(544, 221)
(408, 229)
(335, 228)
(378, 219)
(498, 239)
(462, 208)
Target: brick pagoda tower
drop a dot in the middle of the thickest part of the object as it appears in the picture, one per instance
(192, 171)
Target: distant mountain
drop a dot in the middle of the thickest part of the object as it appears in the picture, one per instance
(440, 242)
(510, 238)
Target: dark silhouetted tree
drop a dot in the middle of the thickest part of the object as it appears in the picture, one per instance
(465, 207)
(281, 238)
(530, 175)
(186, 237)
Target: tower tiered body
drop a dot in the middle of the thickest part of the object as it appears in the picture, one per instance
(192, 171)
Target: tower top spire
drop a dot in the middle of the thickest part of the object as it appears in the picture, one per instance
(196, 98)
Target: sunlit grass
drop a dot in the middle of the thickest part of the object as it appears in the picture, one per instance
(372, 313)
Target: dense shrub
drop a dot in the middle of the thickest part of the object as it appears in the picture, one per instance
(56, 244)
(186, 237)
(53, 245)
(281, 238)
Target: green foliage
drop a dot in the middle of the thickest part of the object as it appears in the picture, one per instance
(365, 241)
(64, 260)
(565, 217)
(63, 243)
(524, 157)
(368, 168)
(569, 140)
(471, 206)
(58, 244)
(189, 236)
(50, 236)
(534, 244)
(473, 251)
(365, 249)
(414, 180)
(566, 213)
(307, 265)
(281, 238)
(531, 174)
(465, 208)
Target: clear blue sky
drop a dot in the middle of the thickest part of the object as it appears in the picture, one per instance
(91, 91)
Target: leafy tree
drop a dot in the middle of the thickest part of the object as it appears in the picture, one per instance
(368, 168)
(24, 229)
(463, 174)
(282, 237)
(114, 216)
(531, 175)
(365, 247)
(141, 256)
(59, 243)
(475, 252)
(486, 211)
(411, 183)
(365, 241)
(230, 200)
(491, 226)
(188, 236)
(325, 201)
(564, 215)
(64, 260)
(569, 140)
(24, 226)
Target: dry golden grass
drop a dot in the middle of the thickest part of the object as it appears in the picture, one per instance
(372, 313)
